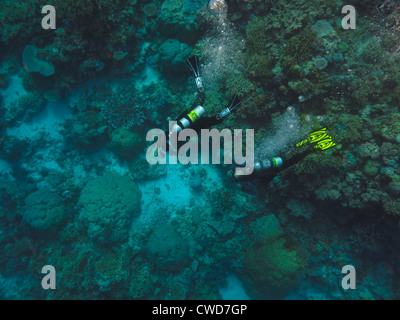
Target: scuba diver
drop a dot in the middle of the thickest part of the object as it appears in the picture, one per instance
(265, 170)
(194, 117)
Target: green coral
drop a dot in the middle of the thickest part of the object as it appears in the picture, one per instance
(112, 271)
(298, 50)
(265, 229)
(349, 128)
(164, 242)
(283, 18)
(141, 281)
(140, 169)
(17, 17)
(238, 84)
(174, 51)
(108, 203)
(45, 211)
(256, 34)
(150, 10)
(89, 132)
(25, 107)
(104, 16)
(74, 272)
(317, 162)
(126, 144)
(370, 168)
(369, 150)
(177, 19)
(35, 64)
(392, 206)
(315, 83)
(396, 94)
(387, 126)
(273, 264)
(261, 65)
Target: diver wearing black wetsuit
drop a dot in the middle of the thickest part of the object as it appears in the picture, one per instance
(267, 169)
(194, 118)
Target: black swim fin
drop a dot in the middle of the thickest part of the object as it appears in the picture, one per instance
(194, 65)
(234, 103)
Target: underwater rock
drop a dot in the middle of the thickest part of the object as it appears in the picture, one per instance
(180, 19)
(322, 28)
(141, 282)
(320, 63)
(45, 211)
(126, 144)
(12, 148)
(172, 250)
(266, 229)
(300, 208)
(108, 203)
(34, 64)
(176, 291)
(272, 264)
(173, 54)
(196, 184)
(24, 108)
(369, 150)
(52, 95)
(370, 168)
(88, 132)
(150, 10)
(140, 169)
(272, 270)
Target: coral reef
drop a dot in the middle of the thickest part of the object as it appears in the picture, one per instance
(181, 19)
(45, 211)
(126, 144)
(34, 64)
(271, 266)
(77, 192)
(173, 54)
(108, 204)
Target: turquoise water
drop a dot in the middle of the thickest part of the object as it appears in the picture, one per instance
(78, 194)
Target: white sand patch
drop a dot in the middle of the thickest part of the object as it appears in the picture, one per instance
(173, 190)
(14, 90)
(48, 121)
(234, 289)
(5, 168)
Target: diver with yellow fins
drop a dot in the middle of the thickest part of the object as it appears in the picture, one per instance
(266, 169)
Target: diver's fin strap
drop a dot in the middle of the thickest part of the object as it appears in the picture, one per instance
(319, 138)
(325, 144)
(299, 144)
(317, 135)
